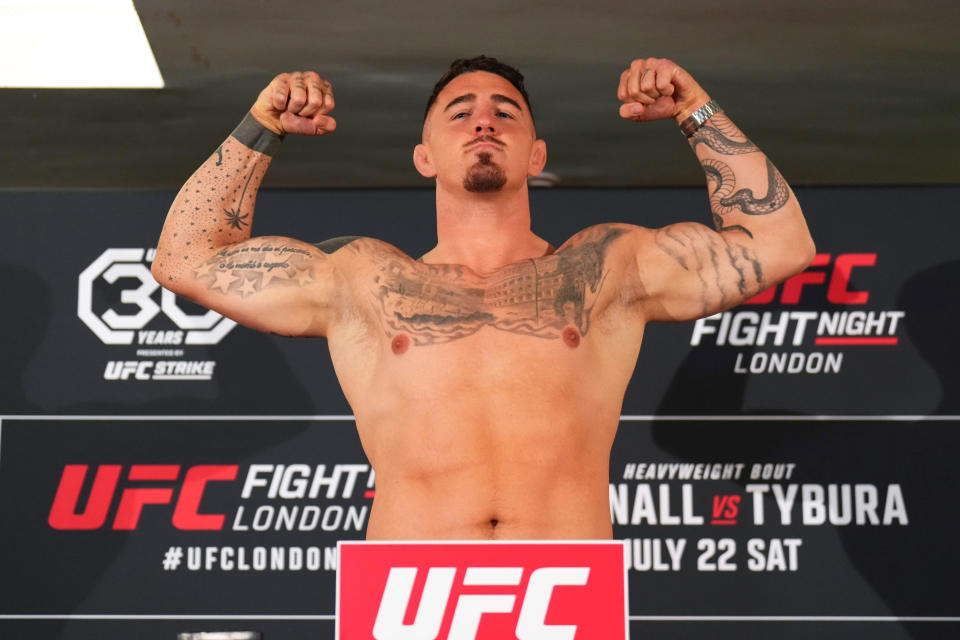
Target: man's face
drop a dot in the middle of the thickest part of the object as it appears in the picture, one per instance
(479, 136)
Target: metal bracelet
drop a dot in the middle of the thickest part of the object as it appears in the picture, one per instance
(698, 117)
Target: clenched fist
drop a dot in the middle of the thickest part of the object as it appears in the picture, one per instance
(656, 89)
(296, 102)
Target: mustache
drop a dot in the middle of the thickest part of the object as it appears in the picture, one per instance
(484, 138)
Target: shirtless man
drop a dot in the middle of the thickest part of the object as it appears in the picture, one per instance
(486, 377)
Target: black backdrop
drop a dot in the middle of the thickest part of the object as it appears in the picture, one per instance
(781, 471)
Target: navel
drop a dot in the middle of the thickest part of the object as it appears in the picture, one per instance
(571, 337)
(400, 343)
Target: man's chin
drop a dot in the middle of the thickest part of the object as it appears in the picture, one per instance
(484, 178)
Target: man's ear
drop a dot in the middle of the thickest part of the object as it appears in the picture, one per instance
(421, 160)
(538, 158)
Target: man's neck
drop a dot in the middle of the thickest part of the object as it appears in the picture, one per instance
(484, 231)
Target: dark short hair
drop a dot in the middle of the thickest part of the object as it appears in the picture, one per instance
(480, 63)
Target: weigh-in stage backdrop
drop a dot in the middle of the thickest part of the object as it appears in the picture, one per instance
(785, 469)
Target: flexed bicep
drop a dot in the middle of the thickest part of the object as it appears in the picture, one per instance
(685, 271)
(269, 283)
(690, 271)
(205, 251)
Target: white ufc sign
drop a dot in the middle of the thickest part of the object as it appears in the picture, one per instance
(470, 607)
(481, 591)
(113, 327)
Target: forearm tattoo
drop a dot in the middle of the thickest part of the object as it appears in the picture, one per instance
(725, 139)
(213, 209)
(719, 139)
(540, 297)
(725, 200)
(234, 218)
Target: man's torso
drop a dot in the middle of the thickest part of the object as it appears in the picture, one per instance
(488, 404)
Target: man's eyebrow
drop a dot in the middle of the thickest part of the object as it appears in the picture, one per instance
(467, 97)
(496, 97)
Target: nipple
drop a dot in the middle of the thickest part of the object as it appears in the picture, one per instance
(400, 344)
(571, 337)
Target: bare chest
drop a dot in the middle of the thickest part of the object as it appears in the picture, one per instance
(554, 297)
(439, 328)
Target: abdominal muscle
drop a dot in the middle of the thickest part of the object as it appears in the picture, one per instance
(492, 436)
(517, 468)
(463, 506)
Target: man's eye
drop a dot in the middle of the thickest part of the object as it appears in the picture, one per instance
(504, 114)
(462, 114)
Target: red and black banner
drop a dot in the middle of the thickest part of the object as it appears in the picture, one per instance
(783, 469)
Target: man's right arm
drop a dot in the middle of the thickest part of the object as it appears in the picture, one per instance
(205, 251)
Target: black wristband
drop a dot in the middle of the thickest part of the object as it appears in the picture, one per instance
(250, 133)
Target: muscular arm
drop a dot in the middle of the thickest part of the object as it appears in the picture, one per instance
(760, 238)
(205, 251)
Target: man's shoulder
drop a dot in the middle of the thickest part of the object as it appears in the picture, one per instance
(603, 236)
(371, 248)
(332, 245)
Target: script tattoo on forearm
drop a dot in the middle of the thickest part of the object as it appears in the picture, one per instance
(724, 138)
(440, 303)
(727, 270)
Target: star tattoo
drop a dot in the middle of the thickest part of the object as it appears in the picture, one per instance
(224, 280)
(247, 288)
(303, 277)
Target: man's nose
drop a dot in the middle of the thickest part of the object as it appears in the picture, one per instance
(485, 123)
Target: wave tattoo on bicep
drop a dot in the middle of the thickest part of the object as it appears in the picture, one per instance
(726, 270)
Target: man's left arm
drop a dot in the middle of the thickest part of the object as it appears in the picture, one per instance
(760, 238)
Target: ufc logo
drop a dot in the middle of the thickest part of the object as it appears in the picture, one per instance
(838, 289)
(119, 370)
(470, 607)
(65, 513)
(481, 590)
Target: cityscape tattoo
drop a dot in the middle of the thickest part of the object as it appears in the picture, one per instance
(539, 297)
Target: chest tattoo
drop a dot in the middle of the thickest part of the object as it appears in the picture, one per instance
(440, 303)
